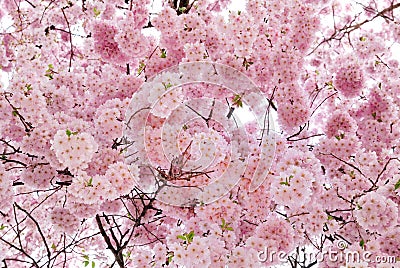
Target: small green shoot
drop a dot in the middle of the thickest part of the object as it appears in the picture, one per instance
(187, 237)
(225, 226)
(237, 100)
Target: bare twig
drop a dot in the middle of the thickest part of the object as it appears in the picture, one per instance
(350, 27)
(39, 230)
(70, 38)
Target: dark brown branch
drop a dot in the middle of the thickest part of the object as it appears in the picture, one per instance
(384, 169)
(115, 251)
(350, 27)
(297, 133)
(114, 237)
(308, 137)
(151, 55)
(20, 250)
(347, 163)
(203, 117)
(27, 125)
(266, 116)
(29, 2)
(70, 38)
(65, 172)
(45, 9)
(38, 228)
(381, 61)
(319, 105)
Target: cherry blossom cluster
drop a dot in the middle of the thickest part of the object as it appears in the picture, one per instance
(376, 213)
(293, 187)
(106, 42)
(349, 79)
(131, 41)
(74, 150)
(339, 124)
(63, 220)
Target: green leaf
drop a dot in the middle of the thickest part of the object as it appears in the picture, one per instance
(287, 181)
(362, 38)
(374, 115)
(53, 247)
(359, 207)
(49, 71)
(225, 226)
(69, 133)
(397, 185)
(96, 12)
(163, 53)
(340, 136)
(93, 264)
(330, 217)
(90, 182)
(239, 12)
(86, 261)
(329, 85)
(362, 243)
(167, 85)
(169, 260)
(188, 237)
(2, 227)
(142, 65)
(237, 100)
(181, 237)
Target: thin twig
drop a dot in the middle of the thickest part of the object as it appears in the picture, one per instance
(38, 228)
(70, 38)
